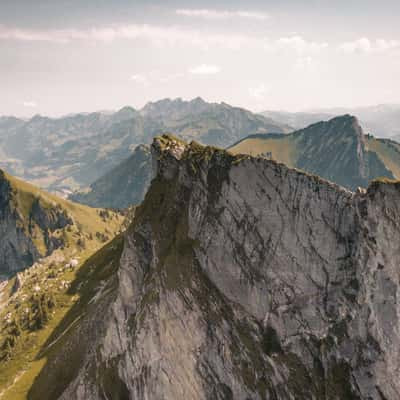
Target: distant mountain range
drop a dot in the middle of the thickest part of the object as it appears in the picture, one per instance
(65, 154)
(381, 120)
(337, 150)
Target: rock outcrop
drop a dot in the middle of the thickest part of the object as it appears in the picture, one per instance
(17, 249)
(240, 279)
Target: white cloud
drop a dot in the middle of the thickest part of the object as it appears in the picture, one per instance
(222, 14)
(205, 69)
(161, 36)
(365, 45)
(258, 92)
(166, 36)
(299, 44)
(30, 104)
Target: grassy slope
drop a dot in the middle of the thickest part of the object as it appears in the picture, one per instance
(286, 149)
(51, 276)
(283, 148)
(27, 193)
(17, 375)
(388, 152)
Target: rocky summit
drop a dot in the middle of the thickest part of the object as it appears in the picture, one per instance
(240, 278)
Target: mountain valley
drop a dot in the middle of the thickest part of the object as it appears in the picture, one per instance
(69, 153)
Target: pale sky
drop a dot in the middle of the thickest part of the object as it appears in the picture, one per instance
(63, 56)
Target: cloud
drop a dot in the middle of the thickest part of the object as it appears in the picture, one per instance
(365, 45)
(205, 69)
(30, 104)
(160, 36)
(222, 14)
(258, 92)
(299, 44)
(166, 36)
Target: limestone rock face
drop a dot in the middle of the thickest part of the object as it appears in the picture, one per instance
(30, 226)
(242, 279)
(16, 248)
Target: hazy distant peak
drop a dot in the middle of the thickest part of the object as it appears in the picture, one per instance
(124, 113)
(198, 100)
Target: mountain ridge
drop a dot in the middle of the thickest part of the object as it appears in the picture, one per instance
(265, 297)
(336, 149)
(381, 120)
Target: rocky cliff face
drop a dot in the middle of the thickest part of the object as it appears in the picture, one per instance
(240, 279)
(16, 248)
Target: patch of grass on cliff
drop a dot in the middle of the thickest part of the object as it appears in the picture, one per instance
(29, 355)
(388, 152)
(282, 149)
(384, 180)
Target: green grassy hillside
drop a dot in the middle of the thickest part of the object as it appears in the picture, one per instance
(34, 300)
(388, 152)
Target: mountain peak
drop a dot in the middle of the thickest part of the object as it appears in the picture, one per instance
(336, 150)
(198, 100)
(340, 126)
(241, 278)
(126, 112)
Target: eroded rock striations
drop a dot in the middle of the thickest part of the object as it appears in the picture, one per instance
(240, 279)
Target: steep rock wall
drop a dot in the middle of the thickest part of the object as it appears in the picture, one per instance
(243, 279)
